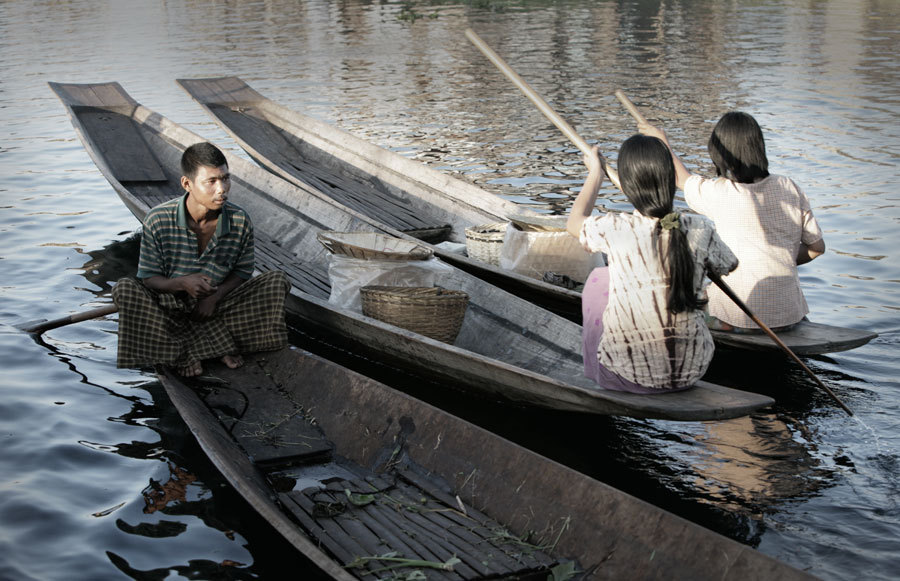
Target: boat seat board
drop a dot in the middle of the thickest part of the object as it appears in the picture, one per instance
(356, 518)
(119, 141)
(221, 89)
(106, 95)
(273, 429)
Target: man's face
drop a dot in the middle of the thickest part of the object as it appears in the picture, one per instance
(210, 186)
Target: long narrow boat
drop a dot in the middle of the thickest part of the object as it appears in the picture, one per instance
(389, 188)
(507, 347)
(360, 477)
(397, 193)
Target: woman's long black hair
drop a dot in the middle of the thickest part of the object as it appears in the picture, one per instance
(737, 148)
(647, 175)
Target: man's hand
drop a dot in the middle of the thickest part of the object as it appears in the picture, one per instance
(206, 305)
(205, 308)
(197, 285)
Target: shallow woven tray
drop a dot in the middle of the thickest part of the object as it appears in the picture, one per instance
(431, 311)
(539, 223)
(484, 242)
(372, 246)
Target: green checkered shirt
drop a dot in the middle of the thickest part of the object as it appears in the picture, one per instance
(169, 247)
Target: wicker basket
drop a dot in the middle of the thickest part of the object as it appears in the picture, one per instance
(431, 311)
(484, 242)
(372, 246)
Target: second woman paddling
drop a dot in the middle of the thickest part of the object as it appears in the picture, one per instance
(644, 328)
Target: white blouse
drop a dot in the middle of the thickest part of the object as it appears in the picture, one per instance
(764, 223)
(642, 341)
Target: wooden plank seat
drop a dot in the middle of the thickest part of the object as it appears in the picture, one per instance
(272, 428)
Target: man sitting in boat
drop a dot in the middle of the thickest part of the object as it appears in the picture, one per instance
(195, 298)
(766, 219)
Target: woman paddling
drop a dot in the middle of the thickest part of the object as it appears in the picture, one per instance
(644, 328)
(766, 219)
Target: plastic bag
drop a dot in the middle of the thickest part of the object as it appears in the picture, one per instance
(536, 253)
(347, 275)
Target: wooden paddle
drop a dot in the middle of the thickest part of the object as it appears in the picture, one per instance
(717, 280)
(38, 328)
(542, 105)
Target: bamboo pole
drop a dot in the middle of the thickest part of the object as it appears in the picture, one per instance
(542, 105)
(43, 326)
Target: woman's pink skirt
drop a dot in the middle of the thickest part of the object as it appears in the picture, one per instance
(594, 299)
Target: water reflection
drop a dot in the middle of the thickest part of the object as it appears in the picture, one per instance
(755, 462)
(116, 260)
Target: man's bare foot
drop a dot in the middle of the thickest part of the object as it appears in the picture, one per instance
(191, 369)
(233, 361)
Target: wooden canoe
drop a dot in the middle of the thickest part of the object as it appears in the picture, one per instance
(507, 347)
(304, 150)
(345, 468)
(395, 192)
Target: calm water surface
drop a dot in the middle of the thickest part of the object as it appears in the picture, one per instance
(99, 479)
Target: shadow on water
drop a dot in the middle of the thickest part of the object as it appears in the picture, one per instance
(114, 261)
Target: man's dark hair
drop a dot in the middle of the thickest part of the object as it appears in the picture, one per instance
(737, 148)
(199, 155)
